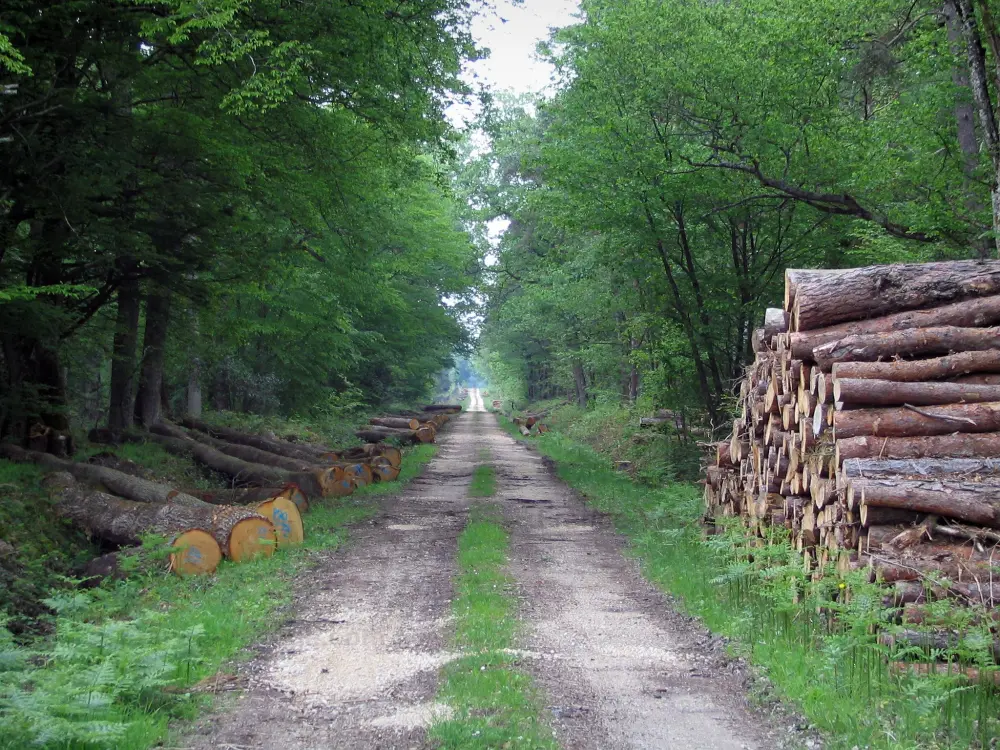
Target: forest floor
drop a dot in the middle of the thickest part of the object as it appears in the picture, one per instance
(609, 662)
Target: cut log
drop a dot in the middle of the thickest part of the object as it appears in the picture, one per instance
(372, 450)
(966, 674)
(951, 366)
(126, 485)
(956, 446)
(252, 496)
(972, 502)
(402, 423)
(859, 392)
(824, 299)
(972, 313)
(985, 592)
(901, 468)
(286, 519)
(243, 472)
(775, 322)
(281, 448)
(914, 342)
(914, 421)
(654, 421)
(454, 408)
(874, 516)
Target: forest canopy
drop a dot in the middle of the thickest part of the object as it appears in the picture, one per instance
(250, 200)
(693, 151)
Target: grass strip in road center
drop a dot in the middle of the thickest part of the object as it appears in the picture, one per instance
(495, 705)
(484, 482)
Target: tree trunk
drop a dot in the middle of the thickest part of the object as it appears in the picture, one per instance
(872, 347)
(775, 322)
(858, 392)
(580, 383)
(401, 423)
(377, 434)
(970, 313)
(826, 299)
(889, 468)
(279, 447)
(148, 399)
(913, 422)
(131, 487)
(123, 368)
(957, 446)
(976, 503)
(950, 366)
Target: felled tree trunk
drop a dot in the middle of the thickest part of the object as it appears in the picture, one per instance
(972, 502)
(911, 422)
(126, 485)
(917, 341)
(400, 423)
(148, 399)
(824, 300)
(864, 392)
(957, 446)
(281, 448)
(376, 434)
(950, 366)
(243, 452)
(972, 313)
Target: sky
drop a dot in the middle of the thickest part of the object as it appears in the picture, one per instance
(511, 33)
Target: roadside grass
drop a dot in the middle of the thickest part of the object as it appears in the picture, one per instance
(495, 704)
(114, 673)
(814, 644)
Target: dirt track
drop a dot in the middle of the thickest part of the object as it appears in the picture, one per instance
(357, 666)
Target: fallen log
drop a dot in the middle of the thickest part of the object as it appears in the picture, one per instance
(975, 592)
(951, 366)
(402, 423)
(126, 485)
(959, 671)
(937, 641)
(910, 421)
(963, 445)
(239, 533)
(389, 452)
(971, 313)
(901, 468)
(863, 392)
(775, 322)
(454, 408)
(243, 472)
(972, 502)
(890, 570)
(824, 299)
(252, 496)
(872, 347)
(281, 448)
(286, 519)
(376, 434)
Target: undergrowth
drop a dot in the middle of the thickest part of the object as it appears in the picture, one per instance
(815, 640)
(495, 705)
(116, 668)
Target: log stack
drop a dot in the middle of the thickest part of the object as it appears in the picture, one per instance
(868, 425)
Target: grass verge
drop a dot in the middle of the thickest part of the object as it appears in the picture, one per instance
(495, 704)
(115, 670)
(814, 644)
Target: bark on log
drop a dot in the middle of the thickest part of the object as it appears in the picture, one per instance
(914, 342)
(775, 322)
(126, 485)
(375, 434)
(973, 313)
(252, 496)
(369, 450)
(875, 516)
(246, 452)
(915, 568)
(956, 446)
(967, 674)
(254, 441)
(826, 299)
(913, 422)
(936, 641)
(401, 423)
(908, 592)
(901, 468)
(859, 392)
(241, 472)
(939, 368)
(977, 503)
(455, 408)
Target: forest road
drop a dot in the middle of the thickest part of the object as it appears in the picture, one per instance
(357, 664)
(476, 397)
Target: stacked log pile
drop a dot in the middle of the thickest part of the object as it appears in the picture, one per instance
(868, 425)
(272, 483)
(409, 427)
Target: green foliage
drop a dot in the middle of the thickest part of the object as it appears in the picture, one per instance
(814, 641)
(494, 703)
(484, 482)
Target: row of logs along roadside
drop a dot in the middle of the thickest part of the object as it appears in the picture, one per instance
(868, 425)
(272, 483)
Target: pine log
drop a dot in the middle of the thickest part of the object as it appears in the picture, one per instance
(875, 516)
(900, 468)
(859, 392)
(872, 347)
(951, 366)
(126, 485)
(375, 434)
(972, 313)
(281, 448)
(973, 675)
(402, 423)
(826, 299)
(454, 408)
(985, 592)
(955, 446)
(935, 641)
(913, 421)
(977, 503)
(775, 322)
(916, 568)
